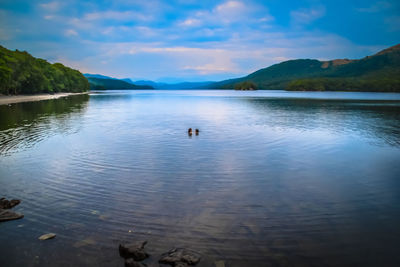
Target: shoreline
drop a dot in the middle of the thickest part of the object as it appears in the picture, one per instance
(7, 100)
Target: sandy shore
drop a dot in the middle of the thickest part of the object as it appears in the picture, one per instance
(5, 99)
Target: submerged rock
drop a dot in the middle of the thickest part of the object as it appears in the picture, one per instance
(85, 242)
(8, 204)
(134, 250)
(5, 213)
(8, 215)
(180, 257)
(47, 236)
(130, 262)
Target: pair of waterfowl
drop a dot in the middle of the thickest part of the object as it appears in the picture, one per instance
(190, 131)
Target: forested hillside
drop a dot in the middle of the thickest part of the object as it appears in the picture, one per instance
(21, 73)
(379, 73)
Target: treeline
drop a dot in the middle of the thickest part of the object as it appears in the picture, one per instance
(21, 73)
(113, 84)
(246, 85)
(375, 83)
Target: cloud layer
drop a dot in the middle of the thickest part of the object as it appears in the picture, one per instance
(194, 40)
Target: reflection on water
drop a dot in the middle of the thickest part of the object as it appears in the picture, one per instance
(23, 125)
(269, 181)
(377, 119)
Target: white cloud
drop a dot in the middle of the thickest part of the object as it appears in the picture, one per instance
(266, 19)
(306, 15)
(191, 23)
(117, 15)
(227, 13)
(99, 22)
(280, 59)
(51, 6)
(70, 32)
(210, 68)
(230, 11)
(146, 31)
(81, 24)
(378, 6)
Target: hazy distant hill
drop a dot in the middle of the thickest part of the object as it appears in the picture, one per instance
(130, 81)
(141, 84)
(149, 83)
(380, 72)
(182, 85)
(89, 75)
(113, 84)
(102, 82)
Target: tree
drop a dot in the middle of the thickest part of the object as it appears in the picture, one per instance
(246, 85)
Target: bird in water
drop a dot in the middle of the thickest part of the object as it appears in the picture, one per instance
(197, 131)
(190, 131)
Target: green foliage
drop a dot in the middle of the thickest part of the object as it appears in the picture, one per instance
(372, 84)
(379, 73)
(246, 85)
(113, 84)
(21, 73)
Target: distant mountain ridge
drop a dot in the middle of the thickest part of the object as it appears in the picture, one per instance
(101, 82)
(379, 72)
(147, 84)
(89, 75)
(171, 86)
(113, 84)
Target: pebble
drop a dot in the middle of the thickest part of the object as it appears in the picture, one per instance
(47, 236)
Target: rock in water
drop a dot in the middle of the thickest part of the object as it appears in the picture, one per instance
(133, 250)
(8, 204)
(180, 257)
(47, 236)
(8, 215)
(132, 263)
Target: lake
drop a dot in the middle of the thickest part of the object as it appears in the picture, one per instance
(273, 179)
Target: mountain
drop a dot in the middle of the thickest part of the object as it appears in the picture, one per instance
(128, 81)
(102, 82)
(21, 73)
(186, 85)
(89, 75)
(379, 72)
(113, 84)
(140, 84)
(182, 85)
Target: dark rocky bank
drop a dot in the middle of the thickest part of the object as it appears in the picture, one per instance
(134, 253)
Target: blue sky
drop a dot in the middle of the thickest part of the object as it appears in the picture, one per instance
(189, 40)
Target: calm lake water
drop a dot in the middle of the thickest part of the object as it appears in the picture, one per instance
(273, 179)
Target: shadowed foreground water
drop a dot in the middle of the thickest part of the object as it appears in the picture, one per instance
(273, 179)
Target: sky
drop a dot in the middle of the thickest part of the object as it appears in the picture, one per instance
(186, 40)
